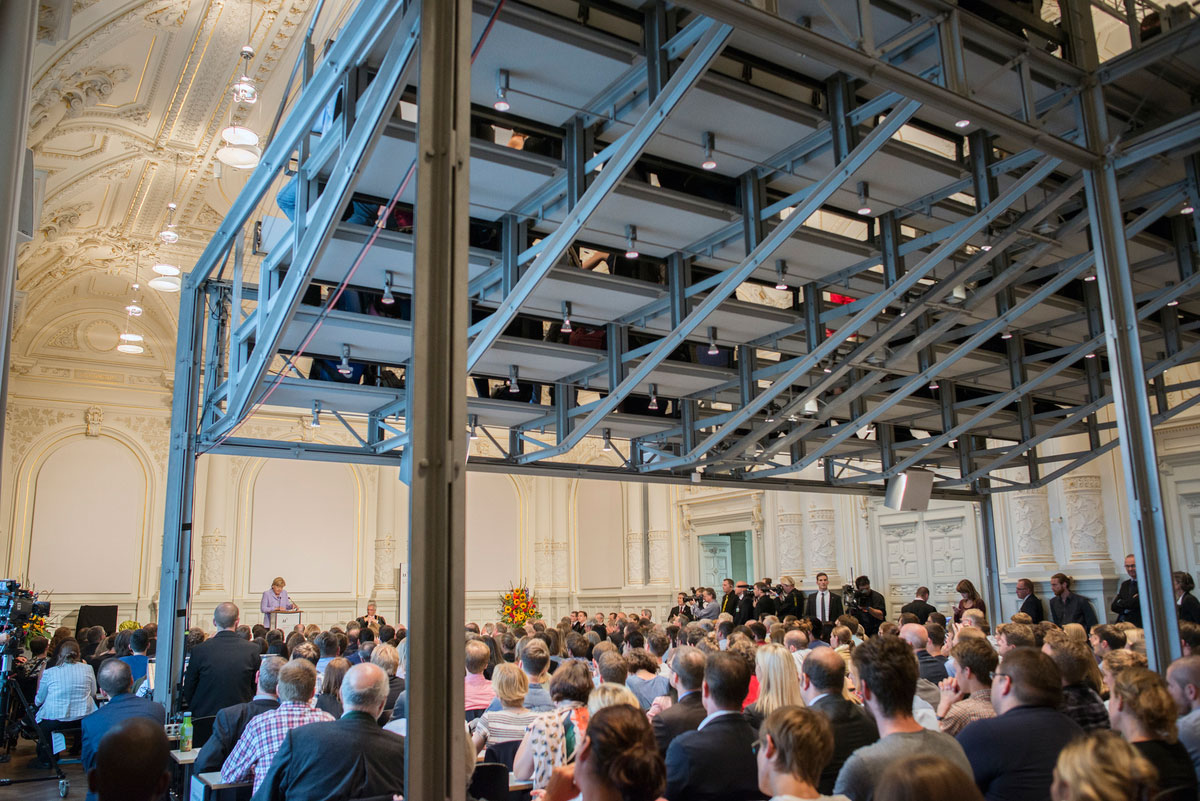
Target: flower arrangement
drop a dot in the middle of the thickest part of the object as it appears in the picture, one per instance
(518, 606)
(38, 626)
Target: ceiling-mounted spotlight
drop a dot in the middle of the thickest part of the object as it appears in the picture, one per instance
(864, 198)
(501, 102)
(1090, 356)
(1006, 334)
(709, 162)
(631, 251)
(344, 365)
(566, 314)
(962, 123)
(933, 385)
(826, 367)
(958, 295)
(316, 414)
(513, 385)
(474, 421)
(1173, 302)
(607, 434)
(713, 350)
(811, 407)
(653, 406)
(985, 247)
(388, 298)
(771, 413)
(781, 275)
(1090, 277)
(1188, 208)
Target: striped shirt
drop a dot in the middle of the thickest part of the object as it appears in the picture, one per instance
(66, 692)
(503, 725)
(263, 737)
(976, 707)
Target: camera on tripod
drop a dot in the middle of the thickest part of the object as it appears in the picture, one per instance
(854, 599)
(17, 607)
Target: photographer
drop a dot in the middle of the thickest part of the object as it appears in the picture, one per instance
(683, 607)
(866, 605)
(709, 609)
(791, 600)
(764, 604)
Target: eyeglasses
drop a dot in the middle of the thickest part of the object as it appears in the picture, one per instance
(995, 674)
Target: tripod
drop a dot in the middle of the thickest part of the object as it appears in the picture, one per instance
(12, 726)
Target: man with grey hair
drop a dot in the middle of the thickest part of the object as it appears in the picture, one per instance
(221, 669)
(231, 721)
(260, 741)
(350, 758)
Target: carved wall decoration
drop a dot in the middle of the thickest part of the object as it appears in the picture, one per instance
(633, 558)
(65, 338)
(92, 419)
(25, 424)
(154, 432)
(660, 557)
(820, 542)
(61, 221)
(385, 554)
(1084, 512)
(789, 536)
(212, 560)
(1029, 511)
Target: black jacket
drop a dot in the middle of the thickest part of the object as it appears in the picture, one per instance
(118, 710)
(1126, 604)
(1076, 609)
(852, 729)
(1189, 608)
(1032, 606)
(729, 602)
(922, 609)
(684, 610)
(227, 729)
(835, 607)
(716, 763)
(745, 609)
(791, 603)
(348, 758)
(764, 606)
(220, 673)
(673, 721)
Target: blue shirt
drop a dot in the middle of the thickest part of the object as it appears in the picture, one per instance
(537, 699)
(137, 664)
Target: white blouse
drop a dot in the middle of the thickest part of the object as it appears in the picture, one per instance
(66, 692)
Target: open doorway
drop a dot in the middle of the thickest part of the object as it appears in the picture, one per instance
(725, 556)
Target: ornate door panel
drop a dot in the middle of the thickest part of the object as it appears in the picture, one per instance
(936, 549)
(716, 561)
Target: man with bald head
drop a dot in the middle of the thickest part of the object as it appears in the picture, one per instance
(822, 681)
(132, 763)
(116, 680)
(932, 669)
(348, 758)
(1183, 681)
(221, 669)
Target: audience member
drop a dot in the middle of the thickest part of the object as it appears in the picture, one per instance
(967, 696)
(616, 759)
(607, 694)
(348, 758)
(1105, 639)
(926, 778)
(1144, 712)
(969, 600)
(116, 680)
(508, 723)
(132, 762)
(1012, 755)
(1081, 702)
(1030, 604)
(643, 679)
(822, 686)
(793, 745)
(138, 661)
(778, 683)
(477, 690)
(387, 657)
(553, 738)
(612, 667)
(1067, 607)
(1113, 664)
(329, 699)
(231, 721)
(687, 677)
(716, 762)
(1187, 606)
(931, 669)
(920, 606)
(534, 659)
(65, 694)
(1183, 682)
(886, 675)
(1014, 635)
(220, 671)
(1102, 767)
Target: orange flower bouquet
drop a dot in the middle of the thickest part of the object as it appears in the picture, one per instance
(518, 606)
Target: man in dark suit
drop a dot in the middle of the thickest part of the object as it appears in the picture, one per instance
(680, 607)
(116, 680)
(920, 606)
(1030, 603)
(371, 618)
(232, 720)
(763, 604)
(221, 669)
(349, 758)
(791, 602)
(931, 668)
(823, 604)
(717, 762)
(745, 604)
(133, 762)
(821, 686)
(1127, 605)
(728, 600)
(685, 714)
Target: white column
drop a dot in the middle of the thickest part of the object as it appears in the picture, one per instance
(1084, 513)
(634, 565)
(1029, 511)
(789, 535)
(212, 541)
(820, 542)
(660, 535)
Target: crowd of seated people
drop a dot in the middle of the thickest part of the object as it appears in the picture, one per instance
(777, 707)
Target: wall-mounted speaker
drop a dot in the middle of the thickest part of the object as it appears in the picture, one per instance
(909, 491)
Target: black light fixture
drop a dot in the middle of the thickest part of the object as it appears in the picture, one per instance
(316, 414)
(566, 315)
(653, 406)
(781, 275)
(388, 298)
(709, 141)
(713, 350)
(631, 251)
(513, 386)
(344, 365)
(501, 102)
(864, 198)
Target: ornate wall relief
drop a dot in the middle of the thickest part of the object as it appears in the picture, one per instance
(633, 558)
(212, 560)
(660, 557)
(385, 550)
(789, 536)
(1085, 518)
(819, 541)
(1029, 511)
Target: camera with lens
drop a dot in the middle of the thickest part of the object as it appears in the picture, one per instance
(854, 599)
(17, 607)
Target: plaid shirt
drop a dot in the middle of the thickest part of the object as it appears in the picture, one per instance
(1082, 705)
(976, 707)
(263, 737)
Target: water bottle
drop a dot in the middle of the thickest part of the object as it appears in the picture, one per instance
(185, 733)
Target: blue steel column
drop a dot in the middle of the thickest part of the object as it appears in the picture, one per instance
(1127, 372)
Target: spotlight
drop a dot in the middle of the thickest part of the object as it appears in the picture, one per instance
(963, 123)
(771, 413)
(713, 350)
(344, 365)
(709, 162)
(827, 367)
(631, 251)
(607, 440)
(985, 247)
(1089, 278)
(513, 385)
(501, 102)
(780, 274)
(1173, 302)
(566, 314)
(388, 298)
(864, 205)
(1188, 208)
(316, 414)
(653, 406)
(1090, 356)
(1007, 334)
(933, 385)
(474, 420)
(811, 407)
(958, 295)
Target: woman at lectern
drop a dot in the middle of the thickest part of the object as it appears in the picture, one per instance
(276, 600)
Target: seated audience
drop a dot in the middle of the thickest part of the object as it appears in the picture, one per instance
(65, 695)
(687, 676)
(388, 658)
(477, 690)
(329, 699)
(1081, 701)
(132, 762)
(610, 695)
(967, 696)
(617, 759)
(1183, 682)
(717, 760)
(1012, 755)
(1014, 635)
(1115, 663)
(138, 661)
(612, 667)
(1144, 713)
(926, 778)
(1105, 639)
(822, 686)
(885, 672)
(931, 668)
(794, 744)
(510, 721)
(644, 680)
(553, 737)
(116, 681)
(1102, 767)
(348, 758)
(263, 735)
(231, 721)
(534, 660)
(778, 684)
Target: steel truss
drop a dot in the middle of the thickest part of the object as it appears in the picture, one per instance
(959, 330)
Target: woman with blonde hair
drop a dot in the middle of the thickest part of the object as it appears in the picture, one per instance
(509, 722)
(778, 683)
(609, 694)
(842, 641)
(1142, 710)
(1076, 632)
(1100, 766)
(1115, 662)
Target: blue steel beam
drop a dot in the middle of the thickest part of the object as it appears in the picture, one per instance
(623, 157)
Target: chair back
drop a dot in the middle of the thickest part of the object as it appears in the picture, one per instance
(505, 753)
(202, 729)
(474, 714)
(490, 782)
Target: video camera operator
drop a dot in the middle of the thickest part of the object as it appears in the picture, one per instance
(866, 605)
(764, 604)
(684, 606)
(790, 600)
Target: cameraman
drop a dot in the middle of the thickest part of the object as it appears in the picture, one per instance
(866, 605)
(791, 600)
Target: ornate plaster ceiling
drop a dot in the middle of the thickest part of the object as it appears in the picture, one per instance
(127, 104)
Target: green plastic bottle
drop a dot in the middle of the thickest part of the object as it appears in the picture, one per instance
(185, 733)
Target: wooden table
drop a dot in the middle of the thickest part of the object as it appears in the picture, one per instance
(185, 759)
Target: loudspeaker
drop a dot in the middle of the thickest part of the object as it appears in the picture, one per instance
(105, 616)
(909, 491)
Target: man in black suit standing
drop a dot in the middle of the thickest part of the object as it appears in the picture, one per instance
(116, 680)
(1127, 605)
(716, 762)
(920, 606)
(763, 604)
(232, 720)
(823, 604)
(821, 686)
(745, 604)
(685, 714)
(348, 758)
(680, 607)
(728, 600)
(221, 669)
(1030, 603)
(791, 602)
